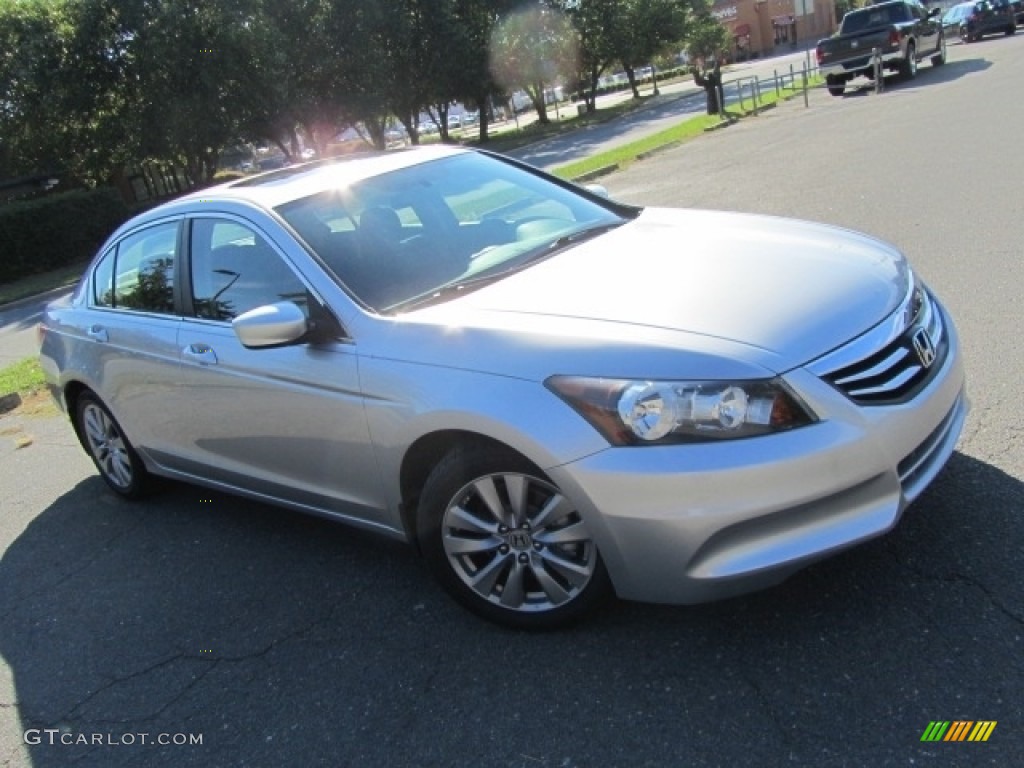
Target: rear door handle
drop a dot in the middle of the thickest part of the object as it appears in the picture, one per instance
(97, 333)
(200, 353)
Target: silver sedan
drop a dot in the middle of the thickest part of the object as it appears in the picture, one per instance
(552, 396)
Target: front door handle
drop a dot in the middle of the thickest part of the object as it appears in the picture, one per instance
(200, 353)
(97, 333)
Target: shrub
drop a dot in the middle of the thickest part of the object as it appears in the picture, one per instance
(57, 230)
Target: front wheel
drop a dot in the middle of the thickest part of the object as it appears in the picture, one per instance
(506, 543)
(940, 56)
(115, 458)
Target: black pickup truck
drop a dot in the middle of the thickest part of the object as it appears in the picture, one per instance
(902, 31)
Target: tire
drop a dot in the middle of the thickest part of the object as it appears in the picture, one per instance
(908, 69)
(940, 57)
(505, 543)
(835, 86)
(965, 35)
(103, 439)
(1011, 30)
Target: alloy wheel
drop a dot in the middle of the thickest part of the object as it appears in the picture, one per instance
(518, 543)
(107, 446)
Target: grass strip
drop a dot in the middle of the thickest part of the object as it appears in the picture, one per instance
(627, 153)
(21, 378)
(677, 134)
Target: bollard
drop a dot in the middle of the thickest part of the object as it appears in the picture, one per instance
(775, 78)
(877, 66)
(806, 103)
(757, 93)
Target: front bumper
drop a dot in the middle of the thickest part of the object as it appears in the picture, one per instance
(691, 523)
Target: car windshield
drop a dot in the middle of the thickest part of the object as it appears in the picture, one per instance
(433, 231)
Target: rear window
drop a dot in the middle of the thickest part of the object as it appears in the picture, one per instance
(874, 17)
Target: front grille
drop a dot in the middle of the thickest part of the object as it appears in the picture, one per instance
(897, 371)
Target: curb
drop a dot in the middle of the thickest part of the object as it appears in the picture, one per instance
(597, 173)
(49, 295)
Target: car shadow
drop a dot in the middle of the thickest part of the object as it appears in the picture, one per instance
(948, 72)
(289, 640)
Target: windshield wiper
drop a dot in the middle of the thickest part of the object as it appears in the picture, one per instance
(579, 236)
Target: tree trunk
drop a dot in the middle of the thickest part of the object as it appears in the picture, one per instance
(631, 76)
(536, 94)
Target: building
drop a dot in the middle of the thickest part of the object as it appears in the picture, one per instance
(763, 27)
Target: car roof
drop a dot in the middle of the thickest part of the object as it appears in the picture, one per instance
(275, 188)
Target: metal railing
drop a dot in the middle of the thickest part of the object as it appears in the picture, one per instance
(750, 88)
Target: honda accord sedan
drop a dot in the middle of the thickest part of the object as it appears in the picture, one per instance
(553, 397)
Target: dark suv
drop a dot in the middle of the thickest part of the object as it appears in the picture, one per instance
(972, 20)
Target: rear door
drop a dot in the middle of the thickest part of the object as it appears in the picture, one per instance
(129, 330)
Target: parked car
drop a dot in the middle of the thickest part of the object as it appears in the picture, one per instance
(973, 20)
(903, 33)
(1018, 11)
(553, 396)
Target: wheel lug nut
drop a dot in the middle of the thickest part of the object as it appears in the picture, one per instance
(524, 558)
(502, 529)
(525, 526)
(503, 549)
(538, 546)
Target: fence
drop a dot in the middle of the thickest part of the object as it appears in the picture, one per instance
(783, 85)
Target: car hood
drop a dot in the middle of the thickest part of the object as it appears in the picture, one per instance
(772, 292)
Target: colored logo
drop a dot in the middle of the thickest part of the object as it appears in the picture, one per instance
(958, 730)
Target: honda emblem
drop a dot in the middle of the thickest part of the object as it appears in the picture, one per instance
(924, 347)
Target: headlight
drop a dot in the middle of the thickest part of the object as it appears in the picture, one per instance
(656, 412)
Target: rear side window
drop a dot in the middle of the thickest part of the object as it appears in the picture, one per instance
(144, 272)
(103, 280)
(138, 273)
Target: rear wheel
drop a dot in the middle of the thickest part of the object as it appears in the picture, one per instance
(940, 56)
(909, 66)
(505, 542)
(835, 85)
(115, 458)
(1011, 30)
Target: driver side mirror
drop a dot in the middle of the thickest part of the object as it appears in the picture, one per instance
(271, 325)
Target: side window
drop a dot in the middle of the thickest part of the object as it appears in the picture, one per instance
(234, 269)
(103, 281)
(144, 269)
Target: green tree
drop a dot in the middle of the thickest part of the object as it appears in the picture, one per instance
(596, 22)
(468, 75)
(531, 49)
(649, 27)
(707, 38)
(33, 35)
